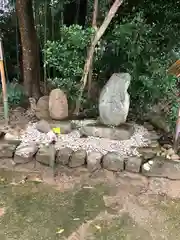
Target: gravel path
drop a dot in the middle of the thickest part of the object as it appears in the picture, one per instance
(75, 142)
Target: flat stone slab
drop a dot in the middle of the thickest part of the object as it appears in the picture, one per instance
(133, 164)
(122, 132)
(94, 161)
(63, 156)
(46, 155)
(7, 150)
(160, 167)
(113, 162)
(25, 152)
(77, 159)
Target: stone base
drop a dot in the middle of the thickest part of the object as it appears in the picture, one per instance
(122, 132)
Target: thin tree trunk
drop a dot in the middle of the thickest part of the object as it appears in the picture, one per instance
(99, 34)
(77, 11)
(30, 48)
(94, 25)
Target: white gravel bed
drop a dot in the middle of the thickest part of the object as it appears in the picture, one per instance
(102, 145)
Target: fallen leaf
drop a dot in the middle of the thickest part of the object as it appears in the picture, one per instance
(98, 227)
(59, 231)
(88, 187)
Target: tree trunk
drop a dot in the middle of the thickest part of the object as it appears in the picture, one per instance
(94, 25)
(99, 34)
(30, 48)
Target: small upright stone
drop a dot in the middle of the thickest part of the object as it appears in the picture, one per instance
(133, 164)
(94, 161)
(58, 104)
(78, 158)
(63, 156)
(113, 161)
(25, 152)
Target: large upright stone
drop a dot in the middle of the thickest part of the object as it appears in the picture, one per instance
(58, 105)
(114, 100)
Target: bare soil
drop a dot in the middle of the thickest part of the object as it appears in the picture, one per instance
(78, 206)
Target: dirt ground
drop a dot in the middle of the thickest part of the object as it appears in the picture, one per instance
(79, 206)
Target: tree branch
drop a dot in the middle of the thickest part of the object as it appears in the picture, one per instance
(99, 34)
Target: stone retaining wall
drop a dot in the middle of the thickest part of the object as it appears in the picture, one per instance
(153, 160)
(159, 166)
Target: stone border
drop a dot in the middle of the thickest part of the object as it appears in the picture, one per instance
(154, 161)
(94, 161)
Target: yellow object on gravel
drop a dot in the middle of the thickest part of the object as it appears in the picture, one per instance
(56, 130)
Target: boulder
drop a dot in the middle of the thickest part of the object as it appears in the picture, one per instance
(12, 138)
(42, 108)
(46, 155)
(158, 120)
(25, 152)
(43, 126)
(113, 161)
(133, 164)
(94, 161)
(78, 158)
(58, 105)
(7, 150)
(114, 100)
(122, 132)
(63, 155)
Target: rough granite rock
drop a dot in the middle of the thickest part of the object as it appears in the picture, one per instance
(133, 164)
(7, 150)
(77, 159)
(43, 126)
(58, 104)
(122, 132)
(25, 152)
(63, 155)
(94, 161)
(42, 108)
(46, 155)
(113, 162)
(12, 138)
(114, 100)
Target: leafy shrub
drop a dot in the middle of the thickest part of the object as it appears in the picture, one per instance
(15, 93)
(134, 46)
(67, 57)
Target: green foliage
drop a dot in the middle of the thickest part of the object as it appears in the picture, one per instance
(135, 46)
(67, 57)
(15, 93)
